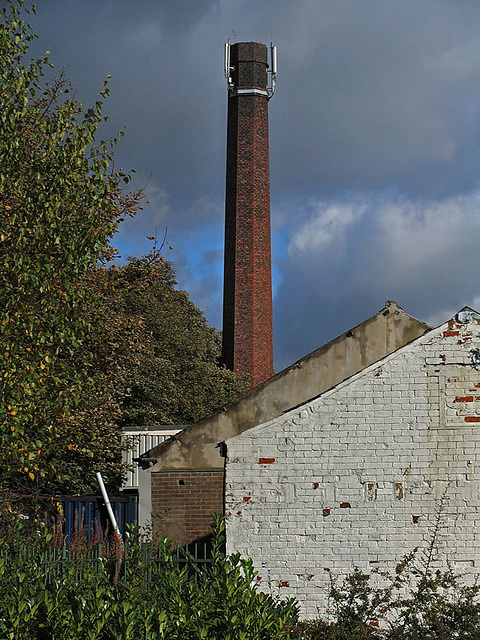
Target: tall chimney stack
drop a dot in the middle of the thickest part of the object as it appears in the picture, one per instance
(247, 296)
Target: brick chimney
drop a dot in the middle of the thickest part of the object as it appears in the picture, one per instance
(247, 301)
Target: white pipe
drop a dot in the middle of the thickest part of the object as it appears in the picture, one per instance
(111, 515)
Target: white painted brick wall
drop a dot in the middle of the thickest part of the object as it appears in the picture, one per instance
(354, 478)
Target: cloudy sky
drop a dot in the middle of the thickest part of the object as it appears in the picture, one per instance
(374, 145)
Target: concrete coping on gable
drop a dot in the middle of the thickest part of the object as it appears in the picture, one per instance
(198, 447)
(450, 329)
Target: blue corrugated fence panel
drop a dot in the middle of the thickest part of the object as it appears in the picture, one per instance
(87, 515)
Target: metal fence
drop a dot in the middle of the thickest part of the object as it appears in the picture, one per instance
(86, 516)
(57, 563)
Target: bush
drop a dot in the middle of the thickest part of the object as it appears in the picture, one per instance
(152, 599)
(417, 603)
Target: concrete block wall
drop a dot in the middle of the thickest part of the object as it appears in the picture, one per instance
(356, 477)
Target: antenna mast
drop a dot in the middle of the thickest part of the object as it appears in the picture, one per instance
(228, 68)
(271, 69)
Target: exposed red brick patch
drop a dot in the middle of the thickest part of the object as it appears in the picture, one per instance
(326, 512)
(284, 583)
(472, 419)
(315, 485)
(202, 491)
(266, 460)
(399, 490)
(345, 505)
(415, 519)
(464, 399)
(371, 491)
(449, 334)
(246, 498)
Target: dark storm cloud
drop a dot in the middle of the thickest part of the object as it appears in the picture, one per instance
(384, 93)
(374, 138)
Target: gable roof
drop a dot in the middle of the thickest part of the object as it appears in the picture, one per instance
(448, 328)
(197, 447)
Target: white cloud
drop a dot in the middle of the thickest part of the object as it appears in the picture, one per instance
(405, 232)
(326, 226)
(425, 233)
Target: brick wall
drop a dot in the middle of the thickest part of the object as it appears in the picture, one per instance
(183, 503)
(355, 478)
(247, 316)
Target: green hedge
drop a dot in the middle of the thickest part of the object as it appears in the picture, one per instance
(139, 599)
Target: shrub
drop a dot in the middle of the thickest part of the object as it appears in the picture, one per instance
(416, 603)
(153, 598)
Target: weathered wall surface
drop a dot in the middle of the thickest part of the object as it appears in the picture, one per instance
(184, 503)
(354, 478)
(196, 449)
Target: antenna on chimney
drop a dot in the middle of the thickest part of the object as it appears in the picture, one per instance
(228, 68)
(272, 71)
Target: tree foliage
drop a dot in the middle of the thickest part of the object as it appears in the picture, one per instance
(156, 346)
(60, 203)
(83, 349)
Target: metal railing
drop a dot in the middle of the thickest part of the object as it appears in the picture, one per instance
(56, 563)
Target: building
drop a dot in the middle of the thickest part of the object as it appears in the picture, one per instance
(351, 456)
(363, 473)
(187, 470)
(247, 297)
(136, 483)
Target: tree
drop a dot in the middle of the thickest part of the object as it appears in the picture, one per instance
(156, 347)
(60, 204)
(155, 361)
(84, 349)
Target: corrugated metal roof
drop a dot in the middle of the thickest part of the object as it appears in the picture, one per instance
(142, 439)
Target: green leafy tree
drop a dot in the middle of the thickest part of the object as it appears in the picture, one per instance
(156, 346)
(60, 203)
